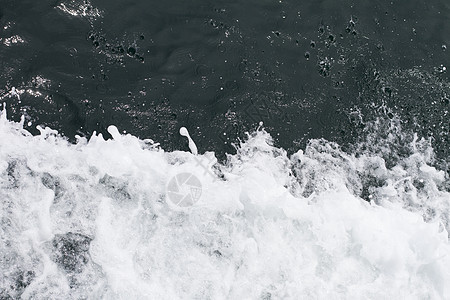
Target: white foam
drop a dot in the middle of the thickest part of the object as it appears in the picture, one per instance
(273, 226)
(82, 9)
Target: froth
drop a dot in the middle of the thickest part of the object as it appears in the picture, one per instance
(94, 219)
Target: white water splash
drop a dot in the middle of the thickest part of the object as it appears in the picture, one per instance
(91, 220)
(192, 145)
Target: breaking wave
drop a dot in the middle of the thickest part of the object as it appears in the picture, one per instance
(122, 218)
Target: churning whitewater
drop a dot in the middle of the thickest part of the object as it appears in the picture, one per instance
(124, 219)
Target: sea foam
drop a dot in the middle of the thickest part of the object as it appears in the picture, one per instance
(95, 220)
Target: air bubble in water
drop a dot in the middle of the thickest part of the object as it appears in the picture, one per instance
(131, 51)
(441, 69)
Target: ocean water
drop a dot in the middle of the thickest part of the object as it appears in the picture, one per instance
(219, 68)
(313, 162)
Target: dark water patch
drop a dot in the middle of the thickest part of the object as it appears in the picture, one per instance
(70, 251)
(115, 188)
(21, 279)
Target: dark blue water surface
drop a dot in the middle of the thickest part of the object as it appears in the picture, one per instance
(308, 69)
